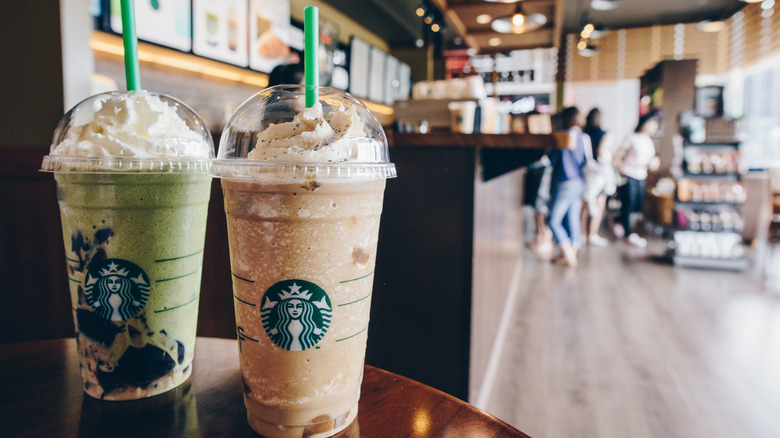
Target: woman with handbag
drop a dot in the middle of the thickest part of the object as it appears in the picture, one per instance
(569, 188)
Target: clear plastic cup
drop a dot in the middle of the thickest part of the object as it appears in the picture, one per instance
(303, 230)
(133, 230)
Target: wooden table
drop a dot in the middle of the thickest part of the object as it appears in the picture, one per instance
(42, 395)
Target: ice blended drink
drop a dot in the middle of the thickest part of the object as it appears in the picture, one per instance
(133, 185)
(303, 195)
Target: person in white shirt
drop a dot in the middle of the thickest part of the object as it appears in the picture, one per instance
(634, 158)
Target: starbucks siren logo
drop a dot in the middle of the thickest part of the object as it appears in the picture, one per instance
(116, 289)
(296, 314)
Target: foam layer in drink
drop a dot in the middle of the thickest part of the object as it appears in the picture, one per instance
(134, 250)
(298, 246)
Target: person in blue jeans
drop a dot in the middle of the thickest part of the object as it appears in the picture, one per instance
(569, 188)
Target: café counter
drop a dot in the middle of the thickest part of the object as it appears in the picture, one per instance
(455, 206)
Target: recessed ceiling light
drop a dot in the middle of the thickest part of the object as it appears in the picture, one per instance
(493, 42)
(502, 1)
(604, 5)
(752, 1)
(484, 18)
(711, 25)
(435, 27)
(598, 32)
(588, 51)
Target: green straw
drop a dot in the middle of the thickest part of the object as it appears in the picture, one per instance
(311, 38)
(132, 72)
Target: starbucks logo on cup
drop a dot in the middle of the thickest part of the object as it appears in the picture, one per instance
(116, 289)
(296, 314)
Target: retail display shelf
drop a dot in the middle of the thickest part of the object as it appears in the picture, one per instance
(709, 203)
(711, 230)
(728, 176)
(707, 232)
(735, 264)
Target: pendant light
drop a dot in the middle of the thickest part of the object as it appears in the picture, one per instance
(604, 5)
(518, 22)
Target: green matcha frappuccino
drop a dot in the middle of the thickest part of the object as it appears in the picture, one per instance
(133, 185)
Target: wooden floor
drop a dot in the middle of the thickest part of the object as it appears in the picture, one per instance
(627, 346)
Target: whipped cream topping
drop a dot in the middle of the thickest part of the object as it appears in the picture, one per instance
(314, 137)
(133, 125)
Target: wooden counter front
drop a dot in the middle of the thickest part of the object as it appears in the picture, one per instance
(427, 304)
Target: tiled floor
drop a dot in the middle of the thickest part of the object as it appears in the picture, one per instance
(628, 346)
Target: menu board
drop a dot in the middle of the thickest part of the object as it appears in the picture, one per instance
(404, 81)
(340, 77)
(376, 84)
(270, 36)
(391, 79)
(220, 30)
(360, 52)
(329, 36)
(164, 22)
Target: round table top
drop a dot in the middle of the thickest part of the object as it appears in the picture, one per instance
(43, 396)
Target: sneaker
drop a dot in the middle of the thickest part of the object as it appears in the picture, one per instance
(597, 240)
(542, 249)
(637, 241)
(618, 230)
(567, 257)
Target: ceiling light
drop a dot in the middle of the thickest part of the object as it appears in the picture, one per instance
(582, 44)
(752, 1)
(518, 22)
(711, 25)
(588, 51)
(598, 32)
(428, 19)
(502, 1)
(589, 28)
(484, 18)
(604, 5)
(419, 42)
(493, 42)
(435, 27)
(420, 11)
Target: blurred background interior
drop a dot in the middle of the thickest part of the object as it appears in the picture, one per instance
(677, 339)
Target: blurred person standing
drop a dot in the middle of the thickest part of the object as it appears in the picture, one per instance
(635, 156)
(592, 215)
(569, 187)
(287, 74)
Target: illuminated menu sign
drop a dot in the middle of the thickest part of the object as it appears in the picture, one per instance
(164, 22)
(220, 30)
(270, 35)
